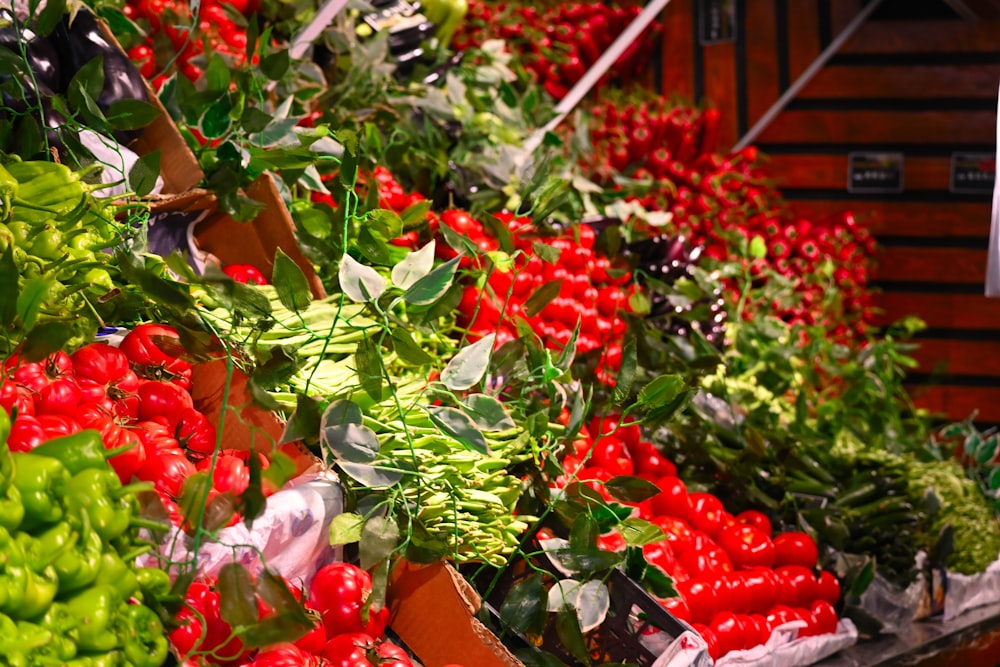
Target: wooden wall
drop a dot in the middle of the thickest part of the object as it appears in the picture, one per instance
(917, 78)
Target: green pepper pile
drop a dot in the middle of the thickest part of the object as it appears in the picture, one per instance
(69, 594)
(52, 234)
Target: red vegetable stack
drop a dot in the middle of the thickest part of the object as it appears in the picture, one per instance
(721, 201)
(558, 43)
(736, 580)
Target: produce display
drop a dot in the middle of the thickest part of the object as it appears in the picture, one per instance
(615, 357)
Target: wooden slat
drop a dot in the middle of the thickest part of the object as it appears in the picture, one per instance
(803, 35)
(944, 265)
(909, 81)
(924, 37)
(964, 220)
(859, 127)
(720, 87)
(960, 402)
(942, 311)
(678, 48)
(842, 12)
(830, 171)
(762, 58)
(959, 357)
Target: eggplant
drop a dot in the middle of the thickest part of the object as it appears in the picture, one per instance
(82, 41)
(40, 56)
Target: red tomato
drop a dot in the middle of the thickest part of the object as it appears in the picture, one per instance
(763, 628)
(612, 541)
(678, 608)
(729, 630)
(230, 473)
(127, 462)
(282, 655)
(706, 513)
(825, 616)
(392, 655)
(705, 562)
(142, 56)
(700, 598)
(761, 585)
(106, 369)
(630, 434)
(154, 351)
(167, 471)
(58, 425)
(155, 436)
(349, 650)
(757, 519)
(811, 628)
(827, 587)
(739, 596)
(26, 433)
(60, 396)
(313, 641)
(672, 500)
(752, 633)
(799, 583)
(338, 592)
(747, 546)
(35, 375)
(795, 548)
(779, 615)
(610, 454)
(187, 637)
(650, 463)
(162, 399)
(16, 399)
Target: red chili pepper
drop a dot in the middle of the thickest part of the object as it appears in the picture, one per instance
(573, 69)
(620, 158)
(555, 89)
(779, 249)
(658, 162)
(808, 249)
(641, 145)
(710, 130)
(589, 51)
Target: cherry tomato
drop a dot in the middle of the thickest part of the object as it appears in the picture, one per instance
(729, 630)
(678, 608)
(650, 462)
(780, 614)
(825, 616)
(338, 592)
(761, 585)
(795, 548)
(747, 546)
(167, 471)
(660, 555)
(708, 562)
(711, 640)
(827, 587)
(142, 56)
(757, 519)
(700, 598)
(798, 584)
(706, 513)
(673, 499)
(610, 454)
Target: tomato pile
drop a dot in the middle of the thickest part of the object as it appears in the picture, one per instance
(720, 201)
(736, 580)
(172, 29)
(340, 635)
(558, 43)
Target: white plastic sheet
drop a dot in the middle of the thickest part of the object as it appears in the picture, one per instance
(967, 592)
(993, 258)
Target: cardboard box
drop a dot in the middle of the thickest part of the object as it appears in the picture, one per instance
(433, 611)
(254, 242)
(179, 167)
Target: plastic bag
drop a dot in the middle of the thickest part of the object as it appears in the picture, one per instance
(291, 537)
(895, 607)
(993, 258)
(968, 591)
(786, 649)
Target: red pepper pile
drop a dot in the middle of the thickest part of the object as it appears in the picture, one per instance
(172, 30)
(340, 636)
(558, 43)
(718, 201)
(736, 580)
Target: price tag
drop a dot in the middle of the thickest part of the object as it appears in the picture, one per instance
(716, 21)
(874, 173)
(973, 173)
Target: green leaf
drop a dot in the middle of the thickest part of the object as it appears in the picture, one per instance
(34, 294)
(407, 349)
(346, 528)
(369, 367)
(541, 297)
(546, 252)
(274, 630)
(290, 283)
(352, 443)
(386, 223)
(143, 174)
(9, 274)
(415, 214)
(261, 396)
(428, 289)
(130, 114)
(626, 374)
(275, 65)
(281, 469)
(45, 338)
(372, 248)
(274, 591)
(583, 533)
(252, 502)
(237, 599)
(369, 475)
(487, 412)
(359, 282)
(758, 248)
(637, 532)
(661, 391)
(499, 231)
(87, 84)
(215, 122)
(631, 489)
(570, 635)
(468, 366)
(658, 582)
(341, 412)
(304, 421)
(414, 266)
(217, 75)
(587, 560)
(279, 367)
(863, 579)
(459, 426)
(49, 17)
(379, 538)
(254, 120)
(523, 610)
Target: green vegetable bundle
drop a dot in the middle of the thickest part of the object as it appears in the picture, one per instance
(69, 594)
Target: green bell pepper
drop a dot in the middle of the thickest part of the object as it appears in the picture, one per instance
(79, 566)
(31, 637)
(13, 573)
(43, 550)
(8, 635)
(8, 191)
(145, 642)
(41, 590)
(109, 659)
(78, 451)
(60, 621)
(117, 575)
(447, 15)
(6, 462)
(99, 491)
(154, 583)
(11, 509)
(42, 483)
(94, 611)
